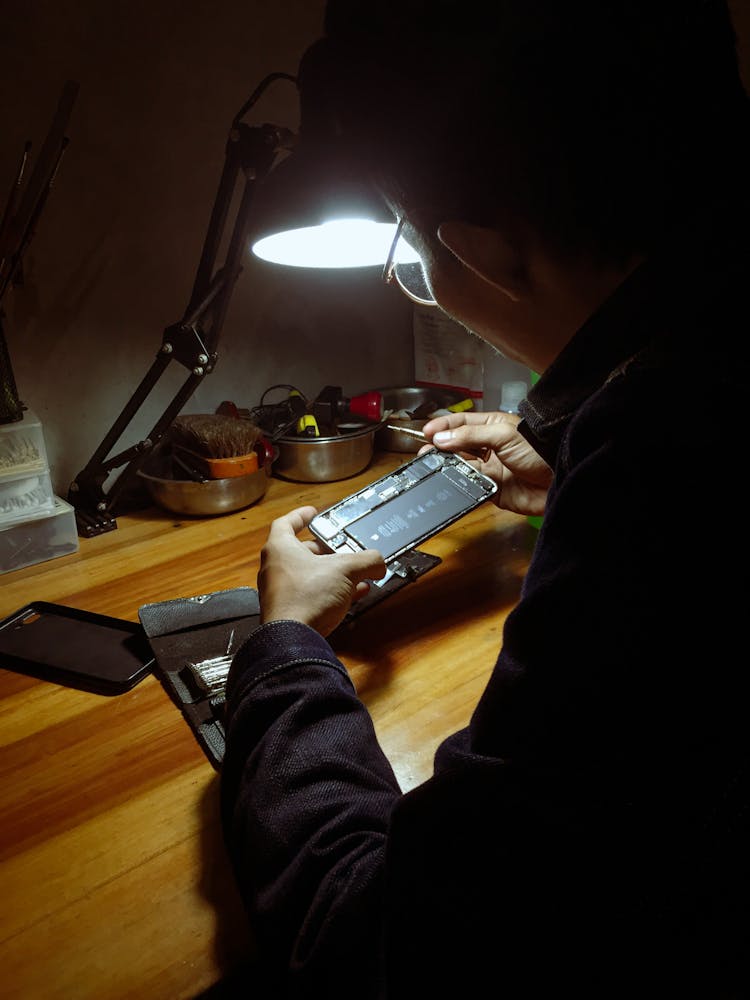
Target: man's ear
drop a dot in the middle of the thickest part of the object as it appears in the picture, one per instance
(486, 252)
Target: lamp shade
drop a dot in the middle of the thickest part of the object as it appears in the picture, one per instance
(338, 243)
(310, 211)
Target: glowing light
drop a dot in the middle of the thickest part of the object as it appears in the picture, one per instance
(339, 243)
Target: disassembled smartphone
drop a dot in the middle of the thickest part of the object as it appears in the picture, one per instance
(404, 508)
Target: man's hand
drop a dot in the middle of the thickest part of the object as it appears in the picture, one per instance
(492, 442)
(300, 581)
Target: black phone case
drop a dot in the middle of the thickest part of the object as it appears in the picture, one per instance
(79, 649)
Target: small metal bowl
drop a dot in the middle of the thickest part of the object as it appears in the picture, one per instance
(201, 499)
(325, 459)
(409, 398)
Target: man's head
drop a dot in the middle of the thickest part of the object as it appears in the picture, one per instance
(589, 120)
(537, 149)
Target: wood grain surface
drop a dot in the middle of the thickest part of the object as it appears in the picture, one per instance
(115, 882)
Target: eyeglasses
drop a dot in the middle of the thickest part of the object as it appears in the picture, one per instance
(403, 265)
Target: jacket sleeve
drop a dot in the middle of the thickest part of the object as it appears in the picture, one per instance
(307, 795)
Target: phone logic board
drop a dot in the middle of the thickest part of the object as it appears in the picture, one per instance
(402, 509)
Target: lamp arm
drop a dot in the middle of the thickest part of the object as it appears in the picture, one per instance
(18, 227)
(251, 152)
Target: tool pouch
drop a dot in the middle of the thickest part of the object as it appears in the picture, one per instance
(193, 640)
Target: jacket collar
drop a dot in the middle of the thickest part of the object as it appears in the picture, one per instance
(661, 295)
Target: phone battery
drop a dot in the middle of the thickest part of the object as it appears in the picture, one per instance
(402, 509)
(417, 512)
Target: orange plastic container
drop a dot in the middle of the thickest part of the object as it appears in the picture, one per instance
(226, 468)
(230, 467)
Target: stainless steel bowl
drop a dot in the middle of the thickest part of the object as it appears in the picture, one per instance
(408, 398)
(201, 499)
(325, 459)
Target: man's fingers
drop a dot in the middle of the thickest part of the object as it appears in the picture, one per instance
(316, 547)
(451, 420)
(471, 439)
(476, 437)
(361, 566)
(361, 590)
(295, 521)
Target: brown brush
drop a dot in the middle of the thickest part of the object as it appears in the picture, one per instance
(217, 445)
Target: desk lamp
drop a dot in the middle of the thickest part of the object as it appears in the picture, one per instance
(334, 237)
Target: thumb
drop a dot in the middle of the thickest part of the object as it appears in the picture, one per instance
(367, 565)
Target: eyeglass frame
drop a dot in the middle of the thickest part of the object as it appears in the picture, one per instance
(389, 268)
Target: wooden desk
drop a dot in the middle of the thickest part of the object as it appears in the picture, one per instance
(114, 877)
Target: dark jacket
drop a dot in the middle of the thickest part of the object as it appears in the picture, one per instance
(587, 833)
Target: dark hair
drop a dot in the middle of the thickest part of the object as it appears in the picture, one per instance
(599, 122)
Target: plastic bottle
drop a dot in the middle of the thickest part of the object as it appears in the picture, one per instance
(505, 382)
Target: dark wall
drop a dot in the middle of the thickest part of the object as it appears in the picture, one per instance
(115, 254)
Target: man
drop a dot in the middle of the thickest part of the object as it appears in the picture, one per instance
(575, 178)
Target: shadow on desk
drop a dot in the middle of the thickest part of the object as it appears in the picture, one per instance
(480, 579)
(242, 983)
(234, 946)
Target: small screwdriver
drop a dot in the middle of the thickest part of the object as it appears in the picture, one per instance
(484, 456)
(407, 430)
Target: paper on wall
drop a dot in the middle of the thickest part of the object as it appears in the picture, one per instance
(447, 355)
